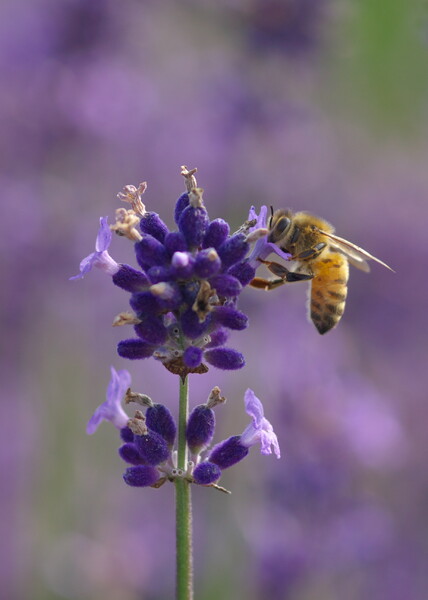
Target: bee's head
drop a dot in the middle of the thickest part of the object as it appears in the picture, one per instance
(279, 225)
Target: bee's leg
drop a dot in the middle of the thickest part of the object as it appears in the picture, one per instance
(284, 273)
(284, 276)
(266, 284)
(311, 253)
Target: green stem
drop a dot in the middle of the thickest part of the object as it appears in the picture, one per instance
(183, 504)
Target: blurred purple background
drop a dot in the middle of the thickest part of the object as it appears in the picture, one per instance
(309, 104)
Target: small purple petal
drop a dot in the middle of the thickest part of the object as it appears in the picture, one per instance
(111, 410)
(104, 236)
(100, 258)
(262, 248)
(260, 430)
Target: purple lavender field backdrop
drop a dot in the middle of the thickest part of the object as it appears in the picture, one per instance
(315, 105)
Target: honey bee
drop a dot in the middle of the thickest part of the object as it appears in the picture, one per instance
(317, 254)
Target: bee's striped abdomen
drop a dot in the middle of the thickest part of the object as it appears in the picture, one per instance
(328, 290)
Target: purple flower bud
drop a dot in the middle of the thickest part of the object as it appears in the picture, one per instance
(152, 330)
(150, 252)
(180, 205)
(207, 263)
(228, 453)
(126, 434)
(129, 453)
(141, 476)
(206, 473)
(190, 325)
(225, 285)
(224, 358)
(216, 234)
(134, 349)
(190, 291)
(151, 223)
(152, 447)
(193, 224)
(243, 272)
(144, 304)
(168, 295)
(130, 279)
(218, 338)
(230, 317)
(182, 265)
(160, 420)
(192, 357)
(233, 250)
(200, 428)
(175, 242)
(158, 274)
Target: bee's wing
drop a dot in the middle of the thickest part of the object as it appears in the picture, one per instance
(356, 255)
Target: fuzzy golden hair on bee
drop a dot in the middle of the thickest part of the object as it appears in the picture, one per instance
(318, 255)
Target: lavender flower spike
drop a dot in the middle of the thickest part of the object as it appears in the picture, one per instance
(111, 409)
(260, 430)
(100, 258)
(262, 248)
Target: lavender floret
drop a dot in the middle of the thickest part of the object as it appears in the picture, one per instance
(200, 428)
(130, 279)
(134, 349)
(225, 358)
(159, 420)
(141, 476)
(152, 447)
(229, 452)
(206, 473)
(217, 233)
(129, 453)
(152, 224)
